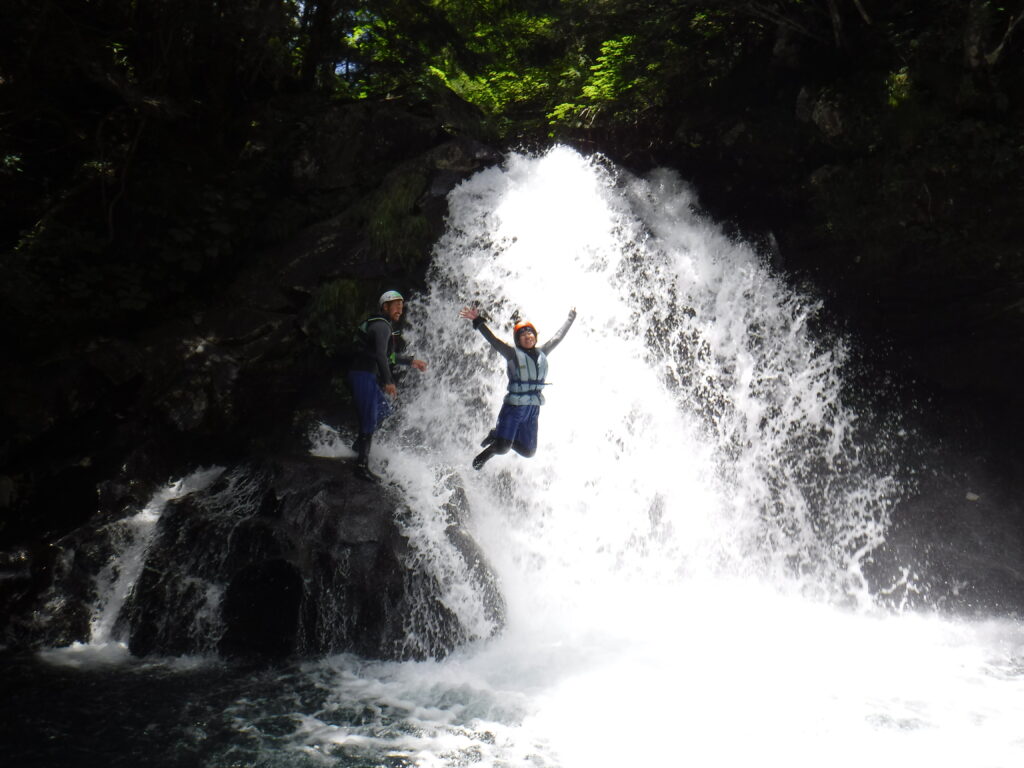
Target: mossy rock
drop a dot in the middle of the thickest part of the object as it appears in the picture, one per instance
(333, 314)
(399, 233)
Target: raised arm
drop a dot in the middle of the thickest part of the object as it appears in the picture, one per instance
(503, 349)
(555, 340)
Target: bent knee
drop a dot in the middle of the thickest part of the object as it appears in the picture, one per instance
(523, 451)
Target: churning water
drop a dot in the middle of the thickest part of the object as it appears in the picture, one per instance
(683, 559)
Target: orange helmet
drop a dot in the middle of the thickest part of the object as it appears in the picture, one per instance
(522, 326)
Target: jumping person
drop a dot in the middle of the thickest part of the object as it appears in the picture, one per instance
(527, 370)
(370, 374)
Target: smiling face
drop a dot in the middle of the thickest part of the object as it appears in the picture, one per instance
(526, 338)
(393, 309)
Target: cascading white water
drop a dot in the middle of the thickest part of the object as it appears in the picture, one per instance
(694, 425)
(681, 561)
(131, 538)
(682, 558)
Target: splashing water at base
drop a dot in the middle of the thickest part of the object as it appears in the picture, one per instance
(681, 560)
(116, 580)
(694, 425)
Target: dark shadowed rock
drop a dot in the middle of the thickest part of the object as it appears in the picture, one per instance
(286, 556)
(225, 377)
(956, 544)
(261, 610)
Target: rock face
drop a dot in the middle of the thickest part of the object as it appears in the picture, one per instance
(239, 372)
(956, 544)
(312, 562)
(289, 556)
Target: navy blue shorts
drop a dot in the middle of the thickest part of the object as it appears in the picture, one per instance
(371, 403)
(518, 423)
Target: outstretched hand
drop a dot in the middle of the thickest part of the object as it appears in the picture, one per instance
(470, 313)
(572, 313)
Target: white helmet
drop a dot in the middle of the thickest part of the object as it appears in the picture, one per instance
(389, 296)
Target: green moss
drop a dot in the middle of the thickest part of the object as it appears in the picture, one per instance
(333, 314)
(897, 86)
(399, 233)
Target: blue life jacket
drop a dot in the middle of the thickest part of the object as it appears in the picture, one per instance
(526, 378)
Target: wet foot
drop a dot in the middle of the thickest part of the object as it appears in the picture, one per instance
(363, 471)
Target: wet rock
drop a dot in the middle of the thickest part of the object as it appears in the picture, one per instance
(261, 610)
(202, 395)
(457, 512)
(827, 115)
(309, 559)
(225, 376)
(280, 557)
(955, 545)
(7, 492)
(47, 601)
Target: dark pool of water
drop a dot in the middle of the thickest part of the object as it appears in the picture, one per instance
(147, 715)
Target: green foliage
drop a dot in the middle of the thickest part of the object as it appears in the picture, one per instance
(138, 165)
(334, 312)
(612, 75)
(11, 164)
(622, 82)
(510, 63)
(897, 87)
(398, 232)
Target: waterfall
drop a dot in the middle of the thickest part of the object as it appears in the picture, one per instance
(695, 424)
(683, 565)
(123, 545)
(683, 558)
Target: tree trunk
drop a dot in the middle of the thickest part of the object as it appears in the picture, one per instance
(319, 18)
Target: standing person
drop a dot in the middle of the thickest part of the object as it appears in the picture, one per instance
(370, 374)
(527, 370)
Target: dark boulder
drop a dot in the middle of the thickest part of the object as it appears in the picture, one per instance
(240, 370)
(956, 543)
(291, 556)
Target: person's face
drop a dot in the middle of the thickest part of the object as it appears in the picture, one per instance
(393, 309)
(527, 339)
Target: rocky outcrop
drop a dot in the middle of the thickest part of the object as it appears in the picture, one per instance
(228, 378)
(956, 544)
(284, 557)
(241, 371)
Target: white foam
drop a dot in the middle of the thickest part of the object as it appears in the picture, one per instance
(681, 559)
(116, 580)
